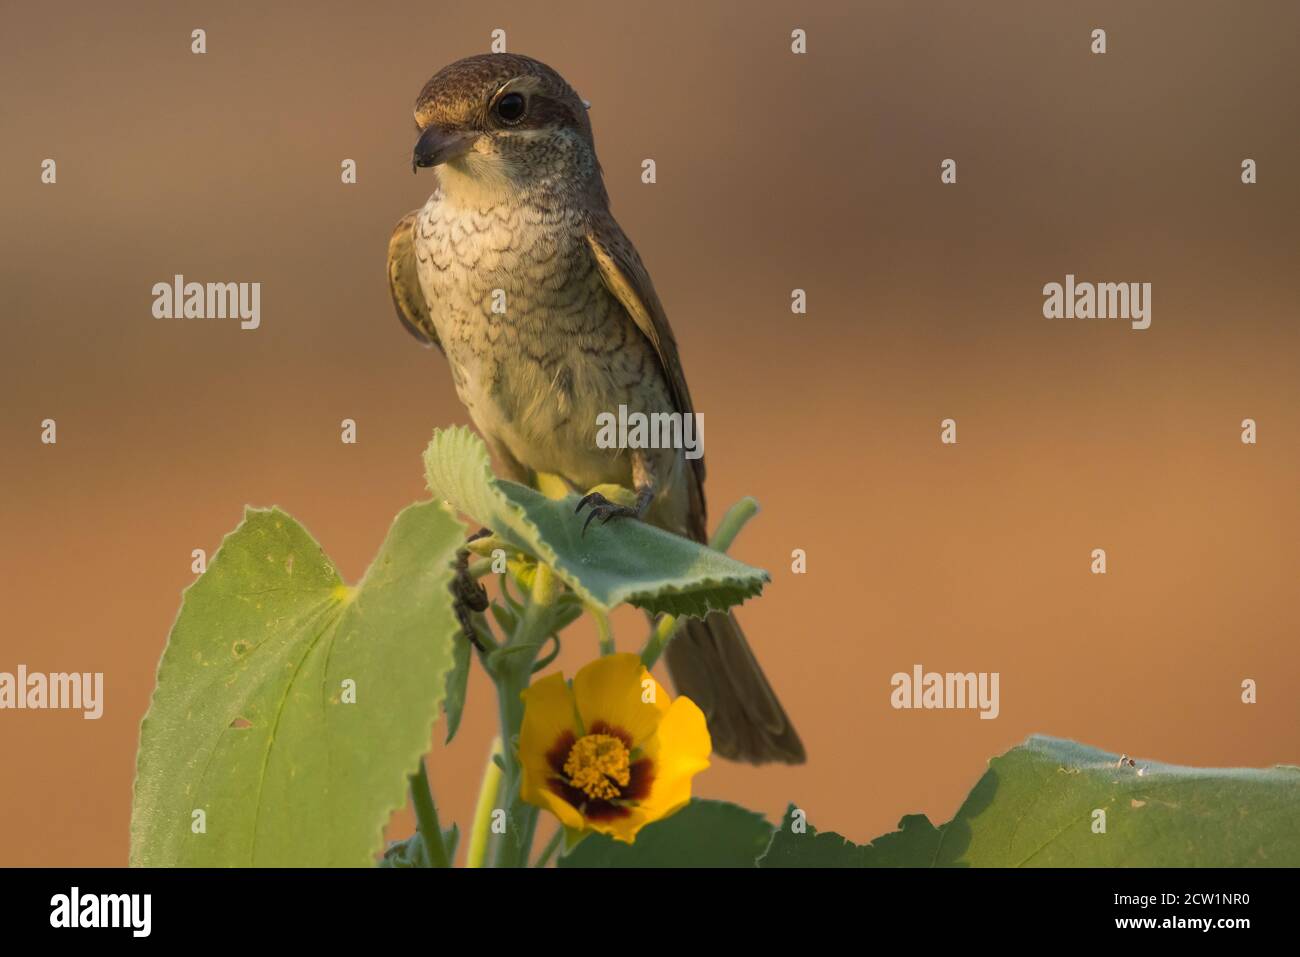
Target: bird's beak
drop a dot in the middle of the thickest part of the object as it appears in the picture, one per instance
(437, 146)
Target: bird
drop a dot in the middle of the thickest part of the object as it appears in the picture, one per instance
(517, 271)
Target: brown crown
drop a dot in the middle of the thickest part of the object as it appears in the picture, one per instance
(457, 96)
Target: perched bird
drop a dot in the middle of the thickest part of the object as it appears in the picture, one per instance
(516, 270)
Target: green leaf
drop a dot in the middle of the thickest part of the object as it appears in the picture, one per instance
(625, 561)
(702, 834)
(1036, 807)
(457, 684)
(798, 844)
(248, 722)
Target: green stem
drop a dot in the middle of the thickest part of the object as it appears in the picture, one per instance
(426, 816)
(513, 676)
(549, 850)
(481, 831)
(660, 635)
(732, 523)
(603, 630)
(483, 631)
(480, 567)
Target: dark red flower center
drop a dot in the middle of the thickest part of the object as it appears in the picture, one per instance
(599, 773)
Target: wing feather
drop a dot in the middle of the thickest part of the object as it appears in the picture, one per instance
(404, 282)
(625, 276)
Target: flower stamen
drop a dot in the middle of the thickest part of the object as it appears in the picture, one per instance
(599, 766)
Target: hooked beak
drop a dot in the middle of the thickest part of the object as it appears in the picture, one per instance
(437, 146)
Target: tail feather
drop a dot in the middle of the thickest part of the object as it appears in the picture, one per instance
(711, 663)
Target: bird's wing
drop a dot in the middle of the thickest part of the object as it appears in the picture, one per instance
(404, 282)
(626, 278)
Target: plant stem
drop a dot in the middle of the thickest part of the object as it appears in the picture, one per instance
(605, 632)
(660, 635)
(426, 816)
(549, 850)
(732, 523)
(483, 631)
(481, 830)
(514, 675)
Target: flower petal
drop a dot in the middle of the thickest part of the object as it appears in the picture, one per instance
(549, 717)
(570, 817)
(612, 689)
(548, 713)
(680, 750)
(623, 828)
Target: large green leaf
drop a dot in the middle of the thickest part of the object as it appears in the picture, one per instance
(702, 834)
(798, 844)
(624, 561)
(1036, 806)
(250, 723)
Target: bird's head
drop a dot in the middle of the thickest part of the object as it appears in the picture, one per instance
(503, 123)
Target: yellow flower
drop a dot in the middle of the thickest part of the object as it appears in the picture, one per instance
(613, 753)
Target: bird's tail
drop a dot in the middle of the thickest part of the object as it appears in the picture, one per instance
(711, 663)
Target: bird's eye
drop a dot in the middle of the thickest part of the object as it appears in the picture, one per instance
(511, 107)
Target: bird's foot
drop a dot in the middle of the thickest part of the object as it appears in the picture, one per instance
(603, 509)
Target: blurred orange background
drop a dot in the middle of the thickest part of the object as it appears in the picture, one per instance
(775, 172)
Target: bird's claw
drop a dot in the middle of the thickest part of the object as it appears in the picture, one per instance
(603, 509)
